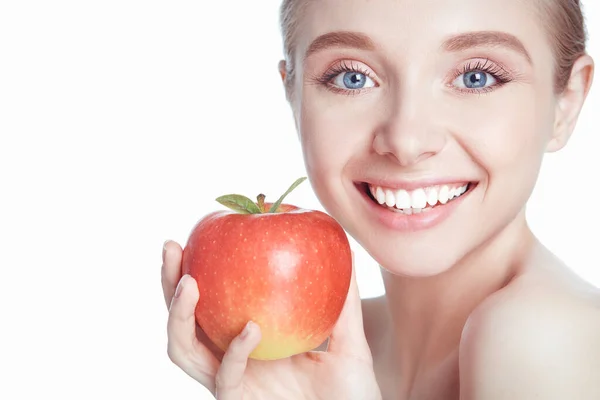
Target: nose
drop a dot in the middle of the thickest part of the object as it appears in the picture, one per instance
(410, 132)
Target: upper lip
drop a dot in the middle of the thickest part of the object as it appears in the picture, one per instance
(416, 184)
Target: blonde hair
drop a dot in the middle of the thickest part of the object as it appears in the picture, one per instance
(567, 35)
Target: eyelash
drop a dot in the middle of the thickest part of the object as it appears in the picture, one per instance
(340, 68)
(501, 75)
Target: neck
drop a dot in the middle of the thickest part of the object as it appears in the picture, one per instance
(428, 314)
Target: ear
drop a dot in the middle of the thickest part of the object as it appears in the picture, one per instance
(282, 70)
(570, 102)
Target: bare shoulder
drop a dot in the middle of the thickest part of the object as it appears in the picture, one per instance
(539, 337)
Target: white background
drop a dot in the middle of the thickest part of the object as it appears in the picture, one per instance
(120, 122)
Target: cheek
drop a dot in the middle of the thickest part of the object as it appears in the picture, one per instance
(508, 132)
(332, 132)
(508, 143)
(323, 156)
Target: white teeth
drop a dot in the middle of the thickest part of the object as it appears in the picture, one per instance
(403, 199)
(452, 194)
(389, 198)
(418, 200)
(380, 195)
(432, 196)
(443, 194)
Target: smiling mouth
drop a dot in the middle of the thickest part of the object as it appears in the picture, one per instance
(416, 201)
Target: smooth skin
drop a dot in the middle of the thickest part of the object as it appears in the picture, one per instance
(476, 308)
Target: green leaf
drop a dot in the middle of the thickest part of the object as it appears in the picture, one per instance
(239, 203)
(276, 205)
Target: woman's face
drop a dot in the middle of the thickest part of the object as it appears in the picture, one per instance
(402, 105)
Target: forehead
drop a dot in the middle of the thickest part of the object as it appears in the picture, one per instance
(417, 25)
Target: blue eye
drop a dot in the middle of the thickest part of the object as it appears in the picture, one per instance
(353, 80)
(475, 80)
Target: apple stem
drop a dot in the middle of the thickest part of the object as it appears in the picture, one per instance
(244, 205)
(261, 202)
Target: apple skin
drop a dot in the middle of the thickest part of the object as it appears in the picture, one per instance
(289, 272)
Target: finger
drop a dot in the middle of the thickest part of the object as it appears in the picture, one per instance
(348, 335)
(171, 274)
(183, 348)
(229, 379)
(171, 269)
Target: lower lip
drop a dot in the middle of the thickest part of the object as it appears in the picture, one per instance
(413, 222)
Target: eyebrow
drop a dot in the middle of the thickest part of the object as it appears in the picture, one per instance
(468, 40)
(341, 39)
(460, 42)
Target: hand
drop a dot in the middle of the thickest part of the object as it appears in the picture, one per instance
(344, 371)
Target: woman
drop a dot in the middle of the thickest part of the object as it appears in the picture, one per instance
(423, 126)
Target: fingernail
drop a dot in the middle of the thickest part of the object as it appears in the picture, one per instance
(246, 330)
(180, 286)
(164, 251)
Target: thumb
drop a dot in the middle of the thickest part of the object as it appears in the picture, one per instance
(348, 336)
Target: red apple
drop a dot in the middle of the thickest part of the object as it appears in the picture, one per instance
(285, 268)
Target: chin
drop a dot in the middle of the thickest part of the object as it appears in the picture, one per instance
(412, 259)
